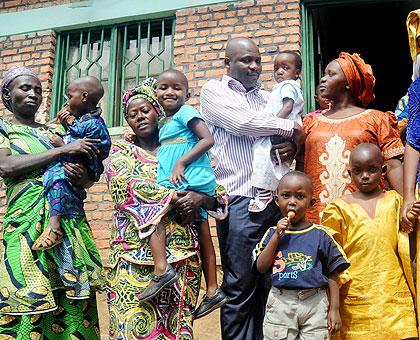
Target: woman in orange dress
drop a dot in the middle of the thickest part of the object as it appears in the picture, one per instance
(348, 83)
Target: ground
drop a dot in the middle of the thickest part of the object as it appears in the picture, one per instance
(205, 328)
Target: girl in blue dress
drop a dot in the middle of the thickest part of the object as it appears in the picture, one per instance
(184, 164)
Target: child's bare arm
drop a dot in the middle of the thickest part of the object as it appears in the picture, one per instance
(286, 109)
(206, 141)
(334, 319)
(266, 258)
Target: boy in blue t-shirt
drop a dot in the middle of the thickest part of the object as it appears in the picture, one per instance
(305, 260)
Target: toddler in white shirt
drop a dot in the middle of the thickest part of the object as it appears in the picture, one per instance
(285, 101)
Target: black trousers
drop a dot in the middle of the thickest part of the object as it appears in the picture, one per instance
(238, 235)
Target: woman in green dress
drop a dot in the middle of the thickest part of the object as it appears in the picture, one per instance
(43, 294)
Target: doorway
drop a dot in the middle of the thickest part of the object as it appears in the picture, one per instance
(377, 31)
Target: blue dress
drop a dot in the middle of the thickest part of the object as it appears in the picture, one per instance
(413, 124)
(65, 198)
(176, 140)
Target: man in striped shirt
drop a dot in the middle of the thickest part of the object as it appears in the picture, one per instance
(230, 109)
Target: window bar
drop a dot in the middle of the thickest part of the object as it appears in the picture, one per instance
(112, 109)
(124, 52)
(88, 50)
(57, 77)
(138, 53)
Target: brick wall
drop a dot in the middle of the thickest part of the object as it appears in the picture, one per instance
(201, 34)
(22, 5)
(36, 51)
(200, 37)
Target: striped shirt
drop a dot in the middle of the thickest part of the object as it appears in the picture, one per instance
(232, 116)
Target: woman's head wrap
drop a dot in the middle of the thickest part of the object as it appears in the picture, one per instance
(359, 76)
(413, 29)
(11, 75)
(146, 90)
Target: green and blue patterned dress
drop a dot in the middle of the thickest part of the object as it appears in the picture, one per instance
(43, 294)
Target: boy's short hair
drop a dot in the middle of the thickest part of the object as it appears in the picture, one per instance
(298, 58)
(300, 174)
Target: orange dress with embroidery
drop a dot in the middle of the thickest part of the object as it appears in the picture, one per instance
(328, 146)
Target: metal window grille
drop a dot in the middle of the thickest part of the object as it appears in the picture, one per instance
(119, 56)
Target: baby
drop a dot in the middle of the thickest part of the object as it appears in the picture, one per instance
(184, 165)
(81, 118)
(286, 101)
(304, 261)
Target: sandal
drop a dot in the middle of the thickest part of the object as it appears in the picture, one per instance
(256, 205)
(45, 241)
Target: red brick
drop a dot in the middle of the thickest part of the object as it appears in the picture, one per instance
(202, 10)
(267, 9)
(222, 37)
(295, 5)
(218, 8)
(205, 24)
(13, 3)
(186, 12)
(245, 4)
(289, 15)
(217, 16)
(206, 56)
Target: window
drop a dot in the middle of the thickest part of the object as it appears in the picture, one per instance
(120, 56)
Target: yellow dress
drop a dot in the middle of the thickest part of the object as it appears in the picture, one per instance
(378, 301)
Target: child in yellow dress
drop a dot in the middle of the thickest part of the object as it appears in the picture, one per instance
(378, 301)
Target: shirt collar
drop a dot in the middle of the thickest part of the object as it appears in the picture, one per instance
(236, 85)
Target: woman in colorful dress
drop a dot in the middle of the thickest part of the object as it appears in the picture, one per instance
(131, 174)
(348, 83)
(43, 294)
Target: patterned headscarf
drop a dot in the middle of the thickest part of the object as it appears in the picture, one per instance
(359, 76)
(11, 75)
(146, 90)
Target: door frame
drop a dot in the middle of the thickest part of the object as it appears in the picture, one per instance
(307, 34)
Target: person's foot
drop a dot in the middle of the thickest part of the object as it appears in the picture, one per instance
(48, 239)
(158, 283)
(211, 303)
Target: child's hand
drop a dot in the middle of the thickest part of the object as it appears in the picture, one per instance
(177, 175)
(334, 320)
(282, 226)
(63, 114)
(411, 213)
(56, 140)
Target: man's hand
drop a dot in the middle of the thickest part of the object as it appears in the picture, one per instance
(285, 151)
(188, 205)
(334, 320)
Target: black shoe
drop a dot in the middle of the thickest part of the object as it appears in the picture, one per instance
(210, 303)
(159, 282)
